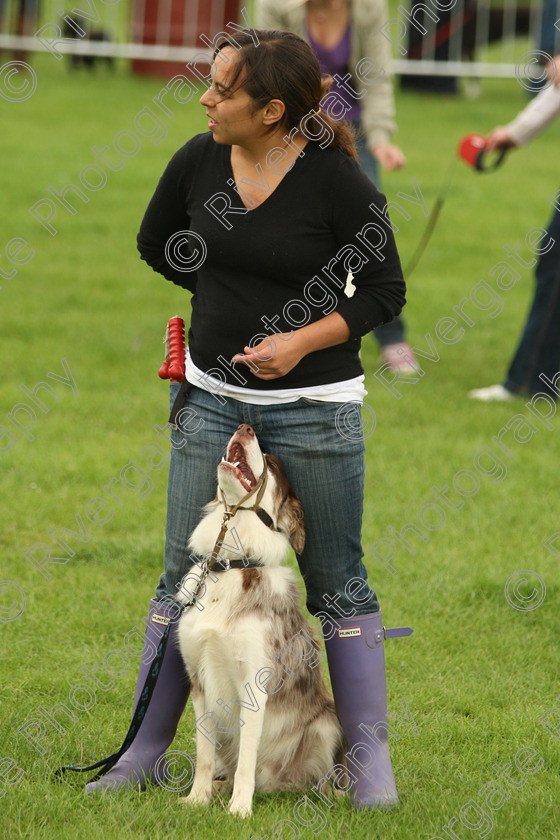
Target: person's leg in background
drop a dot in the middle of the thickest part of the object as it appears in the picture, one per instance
(536, 360)
(26, 23)
(395, 351)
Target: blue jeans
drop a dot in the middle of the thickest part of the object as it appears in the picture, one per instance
(548, 41)
(322, 449)
(539, 347)
(393, 332)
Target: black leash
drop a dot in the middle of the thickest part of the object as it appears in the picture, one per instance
(106, 764)
(432, 221)
(472, 149)
(147, 691)
(139, 713)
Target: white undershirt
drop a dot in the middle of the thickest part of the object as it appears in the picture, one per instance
(351, 390)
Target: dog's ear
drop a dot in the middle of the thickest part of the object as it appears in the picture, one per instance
(296, 528)
(290, 511)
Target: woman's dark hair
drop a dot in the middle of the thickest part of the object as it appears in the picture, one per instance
(283, 66)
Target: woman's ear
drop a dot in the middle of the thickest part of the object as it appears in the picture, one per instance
(274, 112)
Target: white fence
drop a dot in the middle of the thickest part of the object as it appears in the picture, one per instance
(435, 37)
(474, 37)
(154, 30)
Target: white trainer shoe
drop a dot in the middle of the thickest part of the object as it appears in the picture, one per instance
(494, 393)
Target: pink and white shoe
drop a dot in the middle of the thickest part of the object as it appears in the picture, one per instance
(400, 358)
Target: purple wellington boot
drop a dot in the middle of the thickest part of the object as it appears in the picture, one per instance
(157, 730)
(357, 668)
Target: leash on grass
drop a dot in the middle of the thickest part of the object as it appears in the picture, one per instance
(106, 764)
(139, 713)
(473, 149)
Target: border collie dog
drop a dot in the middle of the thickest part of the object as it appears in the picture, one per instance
(264, 717)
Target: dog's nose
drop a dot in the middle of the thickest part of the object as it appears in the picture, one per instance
(244, 429)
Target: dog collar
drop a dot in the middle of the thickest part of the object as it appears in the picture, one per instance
(224, 565)
(266, 519)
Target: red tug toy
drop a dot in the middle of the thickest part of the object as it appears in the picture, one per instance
(173, 367)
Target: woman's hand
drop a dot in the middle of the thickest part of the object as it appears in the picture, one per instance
(390, 157)
(499, 138)
(553, 70)
(278, 354)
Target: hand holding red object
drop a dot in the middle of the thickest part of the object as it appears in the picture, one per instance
(474, 148)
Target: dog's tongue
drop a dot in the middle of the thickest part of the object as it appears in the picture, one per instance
(236, 459)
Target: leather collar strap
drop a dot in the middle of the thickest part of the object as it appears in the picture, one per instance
(266, 519)
(225, 565)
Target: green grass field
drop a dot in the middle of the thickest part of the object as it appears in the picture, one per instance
(480, 671)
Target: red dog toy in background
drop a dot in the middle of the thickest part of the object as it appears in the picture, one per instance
(474, 150)
(173, 367)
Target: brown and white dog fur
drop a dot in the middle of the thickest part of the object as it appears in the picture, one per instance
(253, 661)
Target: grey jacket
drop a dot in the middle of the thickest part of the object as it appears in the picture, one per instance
(367, 42)
(538, 114)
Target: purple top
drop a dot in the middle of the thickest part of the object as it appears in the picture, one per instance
(336, 60)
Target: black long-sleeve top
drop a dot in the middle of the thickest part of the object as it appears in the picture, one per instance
(254, 269)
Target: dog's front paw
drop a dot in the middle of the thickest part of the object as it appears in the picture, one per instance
(240, 804)
(197, 796)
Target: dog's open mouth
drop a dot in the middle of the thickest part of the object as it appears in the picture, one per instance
(237, 462)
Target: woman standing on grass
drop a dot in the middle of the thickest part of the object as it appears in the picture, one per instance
(274, 342)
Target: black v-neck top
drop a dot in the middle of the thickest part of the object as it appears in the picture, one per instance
(278, 266)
